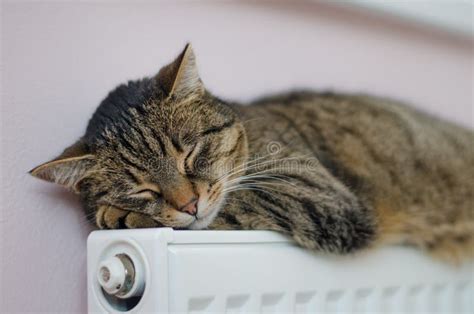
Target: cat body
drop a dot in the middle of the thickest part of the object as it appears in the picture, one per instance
(338, 173)
(411, 173)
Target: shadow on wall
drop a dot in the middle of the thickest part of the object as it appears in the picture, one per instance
(361, 17)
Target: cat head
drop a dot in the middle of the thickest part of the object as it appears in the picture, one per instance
(160, 151)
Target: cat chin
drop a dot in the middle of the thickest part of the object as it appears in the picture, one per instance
(203, 222)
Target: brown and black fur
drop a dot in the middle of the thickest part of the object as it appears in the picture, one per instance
(338, 173)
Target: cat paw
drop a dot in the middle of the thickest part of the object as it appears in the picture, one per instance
(137, 220)
(111, 217)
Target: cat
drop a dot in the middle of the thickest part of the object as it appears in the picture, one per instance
(338, 173)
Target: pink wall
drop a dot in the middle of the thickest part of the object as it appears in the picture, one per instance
(60, 60)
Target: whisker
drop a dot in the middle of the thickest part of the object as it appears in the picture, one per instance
(251, 185)
(254, 119)
(253, 160)
(245, 164)
(257, 183)
(259, 176)
(225, 176)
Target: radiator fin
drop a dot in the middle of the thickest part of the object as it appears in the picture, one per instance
(333, 302)
(200, 305)
(272, 303)
(237, 304)
(360, 301)
(414, 299)
(305, 302)
(390, 299)
(467, 297)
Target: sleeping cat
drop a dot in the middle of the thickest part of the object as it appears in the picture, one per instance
(338, 173)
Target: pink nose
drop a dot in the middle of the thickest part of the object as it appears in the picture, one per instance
(190, 208)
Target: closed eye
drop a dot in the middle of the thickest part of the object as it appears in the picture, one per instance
(146, 193)
(218, 128)
(146, 190)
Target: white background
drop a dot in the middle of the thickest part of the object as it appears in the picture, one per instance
(60, 59)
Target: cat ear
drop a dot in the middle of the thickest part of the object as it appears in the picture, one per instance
(68, 168)
(180, 78)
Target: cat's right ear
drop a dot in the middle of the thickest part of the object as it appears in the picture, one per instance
(180, 78)
(68, 168)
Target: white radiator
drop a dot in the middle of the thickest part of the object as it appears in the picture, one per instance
(263, 272)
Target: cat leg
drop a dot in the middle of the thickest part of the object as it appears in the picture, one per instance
(314, 208)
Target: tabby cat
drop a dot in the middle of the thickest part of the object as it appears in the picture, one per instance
(338, 173)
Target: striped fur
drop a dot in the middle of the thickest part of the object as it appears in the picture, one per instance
(338, 173)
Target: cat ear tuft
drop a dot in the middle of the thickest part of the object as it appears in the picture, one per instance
(67, 169)
(180, 78)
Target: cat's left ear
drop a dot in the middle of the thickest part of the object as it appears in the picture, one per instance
(180, 78)
(68, 168)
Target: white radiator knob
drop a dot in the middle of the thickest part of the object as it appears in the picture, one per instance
(120, 276)
(111, 275)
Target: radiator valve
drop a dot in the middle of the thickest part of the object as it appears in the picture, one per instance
(119, 276)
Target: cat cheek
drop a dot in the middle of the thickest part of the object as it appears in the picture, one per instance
(204, 191)
(210, 200)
